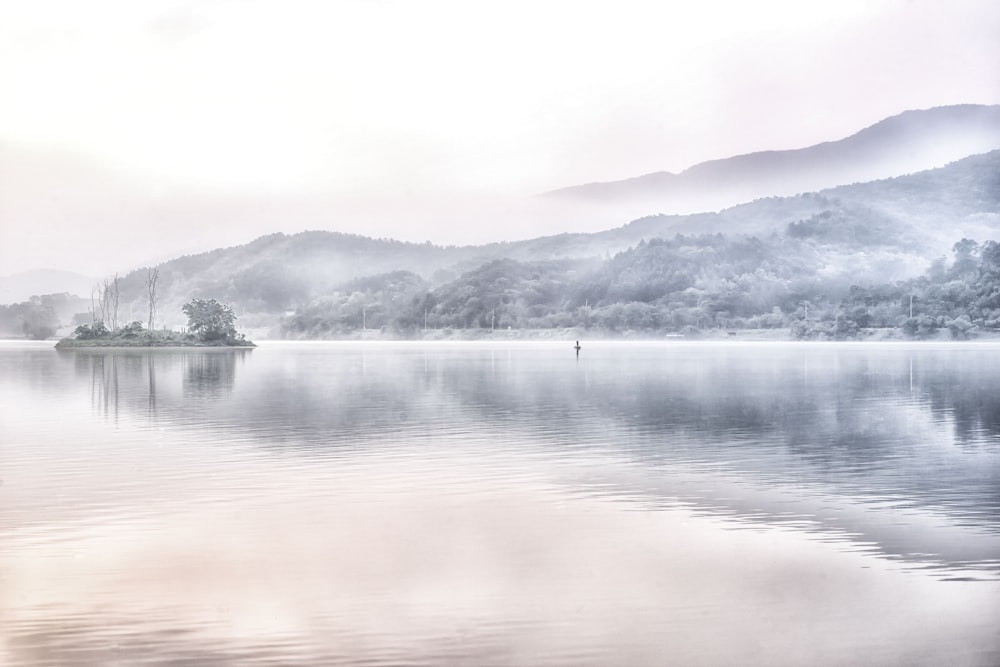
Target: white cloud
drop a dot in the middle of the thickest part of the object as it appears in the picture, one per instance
(393, 98)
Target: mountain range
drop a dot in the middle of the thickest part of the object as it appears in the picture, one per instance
(22, 286)
(860, 230)
(885, 230)
(909, 142)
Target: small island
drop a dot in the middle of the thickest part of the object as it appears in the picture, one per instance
(210, 324)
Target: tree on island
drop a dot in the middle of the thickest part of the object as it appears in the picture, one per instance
(90, 331)
(210, 319)
(210, 324)
(152, 277)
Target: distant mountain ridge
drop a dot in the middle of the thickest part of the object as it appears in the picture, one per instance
(882, 230)
(26, 284)
(892, 228)
(909, 142)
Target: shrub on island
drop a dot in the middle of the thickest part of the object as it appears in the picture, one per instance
(210, 324)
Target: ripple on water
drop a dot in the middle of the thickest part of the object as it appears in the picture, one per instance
(424, 505)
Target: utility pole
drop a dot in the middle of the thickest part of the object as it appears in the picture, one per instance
(911, 306)
(364, 318)
(425, 319)
(493, 320)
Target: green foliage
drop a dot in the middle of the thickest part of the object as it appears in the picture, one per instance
(98, 331)
(39, 324)
(961, 328)
(963, 299)
(836, 264)
(776, 252)
(128, 337)
(35, 318)
(685, 283)
(382, 302)
(922, 327)
(211, 320)
(661, 285)
(505, 293)
(702, 281)
(91, 331)
(848, 226)
(131, 330)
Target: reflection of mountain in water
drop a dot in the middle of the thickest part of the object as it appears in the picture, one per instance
(773, 434)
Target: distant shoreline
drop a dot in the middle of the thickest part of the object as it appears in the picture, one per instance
(571, 334)
(527, 335)
(375, 337)
(71, 343)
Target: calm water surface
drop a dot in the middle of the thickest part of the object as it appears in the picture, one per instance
(501, 504)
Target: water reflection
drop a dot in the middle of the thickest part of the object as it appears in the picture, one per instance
(501, 505)
(785, 436)
(151, 374)
(211, 376)
(104, 385)
(127, 379)
(885, 419)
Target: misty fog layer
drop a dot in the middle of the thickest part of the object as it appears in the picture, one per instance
(56, 203)
(837, 264)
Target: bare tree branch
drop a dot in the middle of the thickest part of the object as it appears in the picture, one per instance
(152, 276)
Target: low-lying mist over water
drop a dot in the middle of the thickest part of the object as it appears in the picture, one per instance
(501, 504)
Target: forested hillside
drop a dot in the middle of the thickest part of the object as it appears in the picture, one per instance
(40, 316)
(867, 244)
(682, 285)
(757, 265)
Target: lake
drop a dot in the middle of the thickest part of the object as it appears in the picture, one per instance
(501, 504)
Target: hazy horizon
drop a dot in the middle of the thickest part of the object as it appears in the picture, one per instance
(131, 134)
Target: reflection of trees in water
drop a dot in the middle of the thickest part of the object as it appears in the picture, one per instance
(920, 427)
(104, 385)
(881, 421)
(835, 409)
(134, 379)
(825, 407)
(210, 374)
(965, 388)
(323, 401)
(846, 418)
(151, 373)
(864, 406)
(118, 379)
(843, 424)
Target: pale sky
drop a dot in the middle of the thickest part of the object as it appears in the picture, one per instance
(133, 130)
